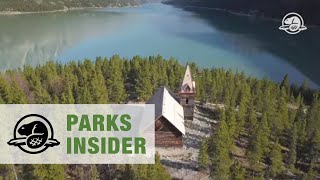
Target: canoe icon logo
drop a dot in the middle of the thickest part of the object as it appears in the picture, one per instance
(292, 23)
(33, 134)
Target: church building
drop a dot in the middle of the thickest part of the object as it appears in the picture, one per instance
(169, 119)
(171, 111)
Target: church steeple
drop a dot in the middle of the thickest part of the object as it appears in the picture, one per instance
(187, 93)
(188, 85)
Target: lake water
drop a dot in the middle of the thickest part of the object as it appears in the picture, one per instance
(207, 37)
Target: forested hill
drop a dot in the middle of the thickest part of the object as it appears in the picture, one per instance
(309, 9)
(264, 130)
(51, 5)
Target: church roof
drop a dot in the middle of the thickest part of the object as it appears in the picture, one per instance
(188, 85)
(168, 107)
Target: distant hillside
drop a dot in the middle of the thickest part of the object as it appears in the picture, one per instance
(308, 9)
(50, 5)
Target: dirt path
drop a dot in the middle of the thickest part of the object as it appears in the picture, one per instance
(182, 163)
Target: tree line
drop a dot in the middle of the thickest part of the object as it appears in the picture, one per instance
(275, 124)
(50, 5)
(275, 9)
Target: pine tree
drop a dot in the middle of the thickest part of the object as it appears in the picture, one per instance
(283, 112)
(67, 95)
(285, 84)
(171, 78)
(41, 95)
(49, 172)
(313, 116)
(293, 147)
(141, 172)
(1, 100)
(7, 172)
(160, 171)
(252, 123)
(115, 81)
(28, 172)
(304, 87)
(232, 122)
(128, 172)
(243, 107)
(258, 96)
(237, 172)
(143, 84)
(221, 149)
(300, 122)
(5, 91)
(98, 89)
(313, 153)
(94, 175)
(312, 172)
(19, 96)
(276, 160)
(259, 145)
(203, 155)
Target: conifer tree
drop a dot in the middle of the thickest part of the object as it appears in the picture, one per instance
(203, 155)
(128, 172)
(171, 78)
(285, 84)
(276, 160)
(252, 122)
(283, 112)
(41, 96)
(232, 122)
(237, 172)
(94, 175)
(313, 116)
(7, 172)
(49, 171)
(160, 171)
(115, 81)
(293, 147)
(259, 143)
(221, 148)
(243, 107)
(19, 96)
(99, 89)
(1, 100)
(143, 85)
(300, 122)
(312, 172)
(304, 87)
(313, 147)
(67, 95)
(5, 91)
(28, 172)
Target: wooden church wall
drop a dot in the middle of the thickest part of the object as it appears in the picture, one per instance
(166, 135)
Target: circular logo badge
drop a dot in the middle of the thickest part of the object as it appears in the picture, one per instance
(33, 134)
(292, 23)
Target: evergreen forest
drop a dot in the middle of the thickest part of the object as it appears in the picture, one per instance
(265, 129)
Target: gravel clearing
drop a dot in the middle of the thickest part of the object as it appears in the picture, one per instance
(182, 163)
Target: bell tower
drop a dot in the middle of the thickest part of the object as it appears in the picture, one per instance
(187, 93)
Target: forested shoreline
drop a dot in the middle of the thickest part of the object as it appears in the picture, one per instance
(275, 9)
(276, 125)
(54, 5)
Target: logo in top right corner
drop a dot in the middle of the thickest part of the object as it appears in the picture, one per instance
(292, 23)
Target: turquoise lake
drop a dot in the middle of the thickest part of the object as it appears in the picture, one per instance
(208, 37)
